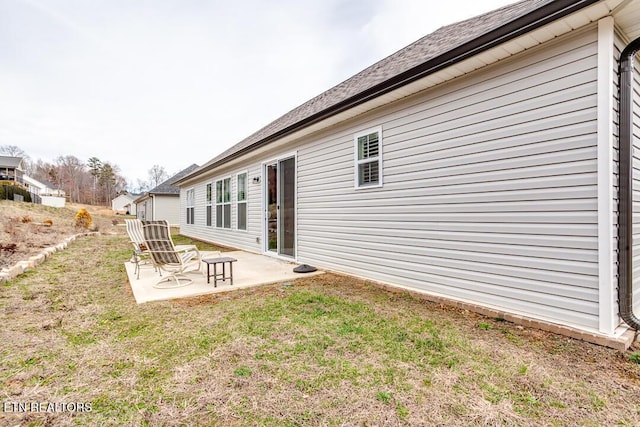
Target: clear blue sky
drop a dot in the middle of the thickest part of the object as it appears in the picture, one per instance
(172, 83)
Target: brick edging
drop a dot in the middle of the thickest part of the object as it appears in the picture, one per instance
(20, 267)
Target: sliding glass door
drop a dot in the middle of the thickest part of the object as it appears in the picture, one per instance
(280, 202)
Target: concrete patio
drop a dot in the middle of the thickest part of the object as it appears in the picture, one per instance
(250, 270)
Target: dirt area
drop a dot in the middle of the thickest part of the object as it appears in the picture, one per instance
(26, 228)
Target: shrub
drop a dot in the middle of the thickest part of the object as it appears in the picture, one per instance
(83, 218)
(26, 219)
(8, 189)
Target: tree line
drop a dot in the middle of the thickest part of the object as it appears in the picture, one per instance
(95, 181)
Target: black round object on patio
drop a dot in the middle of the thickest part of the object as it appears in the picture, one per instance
(304, 268)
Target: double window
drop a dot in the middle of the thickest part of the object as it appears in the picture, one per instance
(223, 203)
(191, 206)
(241, 201)
(368, 158)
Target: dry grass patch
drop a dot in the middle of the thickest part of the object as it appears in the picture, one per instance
(324, 350)
(27, 228)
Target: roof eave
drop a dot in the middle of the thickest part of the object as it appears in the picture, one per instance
(548, 13)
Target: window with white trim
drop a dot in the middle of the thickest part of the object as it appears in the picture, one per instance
(223, 203)
(241, 201)
(209, 208)
(368, 158)
(191, 206)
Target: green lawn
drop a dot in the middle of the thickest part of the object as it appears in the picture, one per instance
(182, 240)
(327, 350)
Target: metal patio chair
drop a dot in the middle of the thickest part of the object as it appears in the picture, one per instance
(141, 255)
(165, 256)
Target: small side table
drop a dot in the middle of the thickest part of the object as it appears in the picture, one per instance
(219, 276)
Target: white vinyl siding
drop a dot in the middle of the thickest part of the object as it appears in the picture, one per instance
(490, 192)
(489, 196)
(142, 210)
(166, 207)
(249, 239)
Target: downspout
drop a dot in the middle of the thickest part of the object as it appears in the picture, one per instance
(625, 229)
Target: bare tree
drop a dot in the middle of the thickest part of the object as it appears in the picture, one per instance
(157, 175)
(30, 167)
(121, 182)
(70, 169)
(95, 182)
(46, 172)
(40, 171)
(142, 186)
(13, 151)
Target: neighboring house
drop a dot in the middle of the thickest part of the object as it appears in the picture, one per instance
(49, 196)
(163, 201)
(479, 165)
(41, 188)
(12, 169)
(124, 203)
(130, 208)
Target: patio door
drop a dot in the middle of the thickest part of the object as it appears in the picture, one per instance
(280, 203)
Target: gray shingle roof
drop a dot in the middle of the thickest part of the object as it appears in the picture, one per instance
(404, 61)
(9, 161)
(167, 188)
(48, 184)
